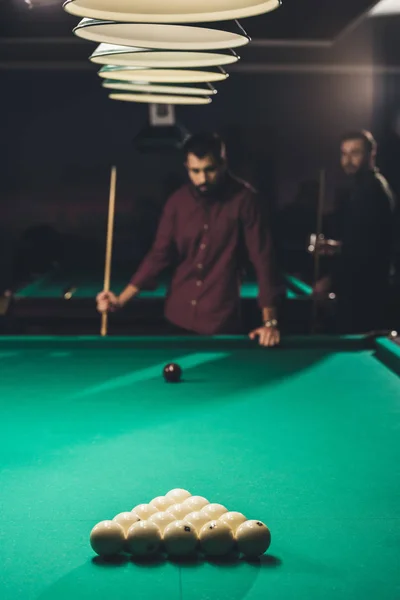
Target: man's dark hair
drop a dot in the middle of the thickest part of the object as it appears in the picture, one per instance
(205, 144)
(367, 138)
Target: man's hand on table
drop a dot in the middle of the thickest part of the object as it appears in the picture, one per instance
(267, 336)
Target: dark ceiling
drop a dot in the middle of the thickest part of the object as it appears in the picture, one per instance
(294, 20)
(309, 32)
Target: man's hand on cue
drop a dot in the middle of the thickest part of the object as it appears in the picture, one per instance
(267, 336)
(322, 286)
(107, 302)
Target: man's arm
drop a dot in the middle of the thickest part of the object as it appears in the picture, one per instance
(127, 294)
(158, 258)
(259, 246)
(269, 314)
(260, 249)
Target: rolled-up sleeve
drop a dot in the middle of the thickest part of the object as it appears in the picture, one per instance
(260, 249)
(161, 254)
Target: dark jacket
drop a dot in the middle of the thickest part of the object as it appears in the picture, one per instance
(365, 225)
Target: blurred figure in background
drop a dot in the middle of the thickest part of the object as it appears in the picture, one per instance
(364, 225)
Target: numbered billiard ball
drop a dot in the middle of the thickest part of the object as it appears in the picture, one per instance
(253, 538)
(143, 539)
(216, 539)
(172, 373)
(180, 539)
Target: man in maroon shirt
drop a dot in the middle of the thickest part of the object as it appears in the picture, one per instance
(205, 229)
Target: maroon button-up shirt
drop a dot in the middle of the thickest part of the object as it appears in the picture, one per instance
(205, 240)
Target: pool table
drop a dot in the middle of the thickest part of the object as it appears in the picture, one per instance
(64, 298)
(67, 286)
(304, 437)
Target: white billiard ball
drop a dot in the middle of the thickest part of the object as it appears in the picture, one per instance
(177, 495)
(161, 519)
(143, 539)
(107, 538)
(180, 539)
(253, 538)
(216, 539)
(144, 511)
(233, 519)
(213, 511)
(126, 519)
(178, 511)
(196, 519)
(161, 503)
(195, 503)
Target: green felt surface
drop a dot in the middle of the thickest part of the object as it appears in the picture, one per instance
(304, 438)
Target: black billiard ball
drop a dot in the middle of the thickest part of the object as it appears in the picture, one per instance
(172, 373)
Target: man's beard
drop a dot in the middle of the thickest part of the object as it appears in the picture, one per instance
(206, 190)
(352, 171)
(349, 171)
(211, 190)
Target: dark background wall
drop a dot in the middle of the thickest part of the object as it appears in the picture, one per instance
(282, 112)
(307, 76)
(61, 134)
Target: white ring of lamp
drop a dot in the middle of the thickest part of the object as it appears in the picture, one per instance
(127, 56)
(154, 88)
(160, 36)
(162, 75)
(159, 99)
(169, 11)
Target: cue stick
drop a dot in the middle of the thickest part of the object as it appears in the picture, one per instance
(110, 229)
(320, 213)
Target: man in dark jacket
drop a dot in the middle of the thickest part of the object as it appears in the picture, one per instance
(365, 210)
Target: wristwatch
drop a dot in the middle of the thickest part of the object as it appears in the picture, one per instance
(271, 323)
